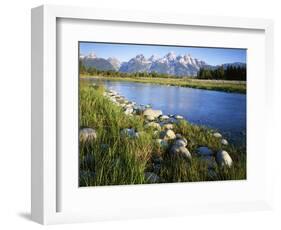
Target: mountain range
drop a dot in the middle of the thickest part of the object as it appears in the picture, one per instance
(172, 64)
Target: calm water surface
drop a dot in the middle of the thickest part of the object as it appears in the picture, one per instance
(225, 112)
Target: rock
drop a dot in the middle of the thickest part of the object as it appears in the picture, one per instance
(153, 125)
(157, 160)
(156, 168)
(121, 101)
(168, 126)
(139, 110)
(149, 118)
(223, 159)
(147, 106)
(152, 112)
(178, 136)
(129, 111)
(138, 134)
(180, 151)
(113, 100)
(204, 151)
(163, 117)
(224, 142)
(168, 134)
(128, 132)
(178, 117)
(151, 177)
(87, 134)
(162, 143)
(181, 142)
(112, 93)
(129, 106)
(217, 135)
(173, 120)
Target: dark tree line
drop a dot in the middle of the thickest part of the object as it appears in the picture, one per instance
(221, 73)
(111, 73)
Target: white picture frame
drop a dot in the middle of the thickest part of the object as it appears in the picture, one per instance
(45, 182)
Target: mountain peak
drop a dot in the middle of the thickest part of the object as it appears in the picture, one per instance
(91, 55)
(171, 56)
(114, 62)
(153, 58)
(140, 57)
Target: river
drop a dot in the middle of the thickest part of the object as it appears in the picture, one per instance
(225, 112)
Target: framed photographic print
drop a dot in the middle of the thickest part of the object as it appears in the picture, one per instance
(137, 114)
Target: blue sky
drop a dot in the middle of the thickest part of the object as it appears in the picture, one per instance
(124, 52)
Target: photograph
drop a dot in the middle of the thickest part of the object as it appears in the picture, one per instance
(156, 114)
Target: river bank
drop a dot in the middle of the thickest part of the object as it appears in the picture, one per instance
(125, 143)
(218, 85)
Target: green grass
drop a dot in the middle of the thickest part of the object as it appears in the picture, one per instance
(113, 159)
(218, 85)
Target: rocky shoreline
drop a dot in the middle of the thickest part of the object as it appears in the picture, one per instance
(165, 136)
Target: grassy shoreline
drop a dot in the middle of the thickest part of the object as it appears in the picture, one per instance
(217, 85)
(112, 159)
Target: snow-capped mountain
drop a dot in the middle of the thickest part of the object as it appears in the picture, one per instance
(91, 60)
(114, 62)
(181, 65)
(172, 64)
(136, 64)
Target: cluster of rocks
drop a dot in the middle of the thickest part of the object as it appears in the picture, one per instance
(128, 106)
(131, 108)
(179, 149)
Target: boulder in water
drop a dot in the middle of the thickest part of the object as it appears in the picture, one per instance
(152, 112)
(163, 117)
(224, 142)
(217, 135)
(179, 117)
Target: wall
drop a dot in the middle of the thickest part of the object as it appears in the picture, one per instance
(15, 113)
